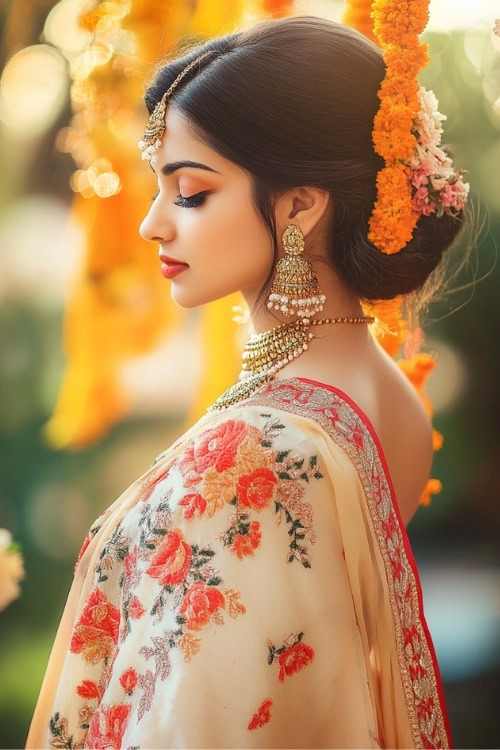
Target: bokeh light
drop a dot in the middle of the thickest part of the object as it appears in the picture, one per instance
(32, 90)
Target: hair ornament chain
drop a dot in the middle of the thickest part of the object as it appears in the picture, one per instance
(156, 126)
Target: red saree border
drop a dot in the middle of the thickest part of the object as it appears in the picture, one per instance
(421, 685)
(406, 540)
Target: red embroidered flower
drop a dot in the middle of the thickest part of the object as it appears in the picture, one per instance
(294, 659)
(135, 608)
(108, 726)
(88, 689)
(255, 490)
(193, 502)
(96, 631)
(198, 604)
(244, 544)
(262, 716)
(171, 562)
(84, 546)
(128, 680)
(216, 447)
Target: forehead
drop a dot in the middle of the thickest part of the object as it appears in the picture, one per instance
(179, 143)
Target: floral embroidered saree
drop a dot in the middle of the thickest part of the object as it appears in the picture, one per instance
(254, 588)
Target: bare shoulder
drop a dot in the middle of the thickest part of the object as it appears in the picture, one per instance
(406, 433)
(393, 406)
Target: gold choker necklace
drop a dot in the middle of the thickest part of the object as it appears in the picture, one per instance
(266, 353)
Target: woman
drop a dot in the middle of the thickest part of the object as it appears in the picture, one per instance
(256, 587)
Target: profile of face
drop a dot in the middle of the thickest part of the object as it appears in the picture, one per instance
(205, 217)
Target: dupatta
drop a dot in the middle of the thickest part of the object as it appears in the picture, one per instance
(254, 588)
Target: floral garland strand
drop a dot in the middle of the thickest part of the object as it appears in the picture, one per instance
(391, 330)
(418, 177)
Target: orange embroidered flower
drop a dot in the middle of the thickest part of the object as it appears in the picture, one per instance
(96, 631)
(244, 544)
(255, 490)
(85, 713)
(262, 716)
(294, 659)
(108, 726)
(216, 447)
(171, 562)
(128, 680)
(199, 604)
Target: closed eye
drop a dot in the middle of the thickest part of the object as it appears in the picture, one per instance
(192, 202)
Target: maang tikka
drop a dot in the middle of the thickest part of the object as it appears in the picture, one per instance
(295, 289)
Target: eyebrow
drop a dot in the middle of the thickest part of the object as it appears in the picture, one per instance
(172, 167)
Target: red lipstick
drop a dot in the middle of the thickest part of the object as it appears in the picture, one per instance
(169, 270)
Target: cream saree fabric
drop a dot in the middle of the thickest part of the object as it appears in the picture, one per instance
(254, 588)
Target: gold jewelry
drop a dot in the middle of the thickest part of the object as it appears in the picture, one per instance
(295, 285)
(267, 352)
(156, 125)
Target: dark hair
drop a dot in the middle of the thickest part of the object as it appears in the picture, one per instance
(292, 101)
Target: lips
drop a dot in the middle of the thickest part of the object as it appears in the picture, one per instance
(166, 259)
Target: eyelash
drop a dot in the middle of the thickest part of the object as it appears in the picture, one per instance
(192, 202)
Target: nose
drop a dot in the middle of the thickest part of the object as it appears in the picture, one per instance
(155, 227)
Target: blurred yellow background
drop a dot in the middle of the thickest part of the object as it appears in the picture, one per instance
(67, 68)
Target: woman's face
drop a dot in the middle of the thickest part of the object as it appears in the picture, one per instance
(222, 237)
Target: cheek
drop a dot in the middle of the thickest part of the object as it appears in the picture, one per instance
(237, 241)
(228, 248)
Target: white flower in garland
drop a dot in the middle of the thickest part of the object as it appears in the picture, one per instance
(438, 187)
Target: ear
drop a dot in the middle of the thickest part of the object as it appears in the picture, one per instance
(304, 206)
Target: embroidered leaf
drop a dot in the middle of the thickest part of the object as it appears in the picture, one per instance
(318, 475)
(313, 461)
(283, 475)
(298, 464)
(214, 581)
(282, 455)
(304, 476)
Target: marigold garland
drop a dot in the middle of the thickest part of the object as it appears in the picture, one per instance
(394, 25)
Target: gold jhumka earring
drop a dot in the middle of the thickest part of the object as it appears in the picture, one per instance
(294, 291)
(295, 284)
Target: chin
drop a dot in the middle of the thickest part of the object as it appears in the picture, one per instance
(184, 300)
(187, 297)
